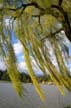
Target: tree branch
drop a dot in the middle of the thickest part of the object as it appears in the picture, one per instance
(60, 2)
(65, 22)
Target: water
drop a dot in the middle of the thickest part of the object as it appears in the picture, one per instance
(9, 98)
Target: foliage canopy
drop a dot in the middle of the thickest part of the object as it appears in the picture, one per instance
(36, 23)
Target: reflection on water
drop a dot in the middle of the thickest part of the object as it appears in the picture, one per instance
(9, 98)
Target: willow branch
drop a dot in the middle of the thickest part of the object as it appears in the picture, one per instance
(65, 22)
(60, 2)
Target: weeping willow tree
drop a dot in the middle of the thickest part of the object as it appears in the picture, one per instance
(36, 24)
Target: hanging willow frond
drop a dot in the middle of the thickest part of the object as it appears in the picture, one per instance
(12, 70)
(10, 58)
(37, 87)
(29, 66)
(43, 60)
(63, 70)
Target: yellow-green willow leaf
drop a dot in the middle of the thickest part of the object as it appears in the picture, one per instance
(66, 85)
(54, 74)
(14, 76)
(2, 51)
(43, 4)
(37, 53)
(61, 64)
(29, 10)
(35, 49)
(47, 22)
(12, 70)
(67, 5)
(37, 87)
(28, 35)
(40, 59)
(34, 42)
(54, 78)
(59, 58)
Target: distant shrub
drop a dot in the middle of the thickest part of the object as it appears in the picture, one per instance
(68, 106)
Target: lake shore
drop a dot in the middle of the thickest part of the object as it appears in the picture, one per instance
(9, 98)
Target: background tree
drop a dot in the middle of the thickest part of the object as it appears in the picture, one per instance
(1, 73)
(36, 23)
